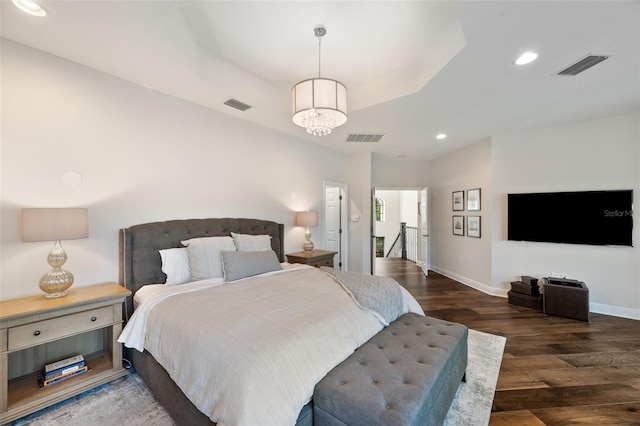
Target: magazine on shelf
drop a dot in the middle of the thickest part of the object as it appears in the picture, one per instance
(44, 383)
(64, 371)
(64, 366)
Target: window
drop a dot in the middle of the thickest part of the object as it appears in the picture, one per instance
(379, 210)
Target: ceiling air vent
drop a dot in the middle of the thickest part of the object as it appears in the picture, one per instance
(583, 64)
(365, 138)
(237, 105)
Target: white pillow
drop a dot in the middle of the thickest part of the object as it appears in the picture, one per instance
(247, 242)
(204, 256)
(175, 264)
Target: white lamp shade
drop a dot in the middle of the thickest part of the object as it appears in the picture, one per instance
(54, 224)
(307, 218)
(320, 93)
(319, 99)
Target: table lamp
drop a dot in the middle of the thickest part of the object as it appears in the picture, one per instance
(307, 219)
(55, 224)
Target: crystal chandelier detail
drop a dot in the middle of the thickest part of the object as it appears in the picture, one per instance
(319, 104)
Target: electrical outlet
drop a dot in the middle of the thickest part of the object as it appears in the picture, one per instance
(556, 275)
(460, 260)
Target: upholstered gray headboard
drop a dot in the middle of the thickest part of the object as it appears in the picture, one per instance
(139, 245)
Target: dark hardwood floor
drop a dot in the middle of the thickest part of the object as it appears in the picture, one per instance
(555, 371)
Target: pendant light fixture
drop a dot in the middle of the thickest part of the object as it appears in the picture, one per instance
(319, 104)
(30, 7)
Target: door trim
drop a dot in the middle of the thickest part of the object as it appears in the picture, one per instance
(344, 224)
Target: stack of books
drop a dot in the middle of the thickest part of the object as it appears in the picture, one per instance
(526, 293)
(64, 369)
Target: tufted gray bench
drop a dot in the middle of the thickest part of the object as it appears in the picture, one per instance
(407, 374)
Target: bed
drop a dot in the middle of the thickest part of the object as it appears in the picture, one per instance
(141, 271)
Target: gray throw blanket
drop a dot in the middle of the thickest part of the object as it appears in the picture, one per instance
(381, 295)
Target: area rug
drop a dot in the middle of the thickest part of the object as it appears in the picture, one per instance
(129, 401)
(472, 404)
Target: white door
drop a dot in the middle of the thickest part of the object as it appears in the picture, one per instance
(333, 223)
(372, 228)
(423, 231)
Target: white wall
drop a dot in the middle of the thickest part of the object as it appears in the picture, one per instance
(409, 207)
(466, 259)
(144, 156)
(360, 212)
(592, 155)
(400, 173)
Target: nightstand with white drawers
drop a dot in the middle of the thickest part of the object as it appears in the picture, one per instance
(35, 331)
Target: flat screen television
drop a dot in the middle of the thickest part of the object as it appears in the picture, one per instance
(586, 217)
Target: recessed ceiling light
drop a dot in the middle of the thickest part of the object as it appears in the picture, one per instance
(30, 7)
(526, 58)
(441, 136)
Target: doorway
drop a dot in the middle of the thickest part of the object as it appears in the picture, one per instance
(335, 218)
(400, 226)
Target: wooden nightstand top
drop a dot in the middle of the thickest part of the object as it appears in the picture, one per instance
(75, 296)
(311, 255)
(315, 258)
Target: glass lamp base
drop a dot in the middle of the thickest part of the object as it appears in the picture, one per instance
(54, 295)
(56, 283)
(308, 245)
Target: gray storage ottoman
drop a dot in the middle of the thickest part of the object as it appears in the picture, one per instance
(407, 374)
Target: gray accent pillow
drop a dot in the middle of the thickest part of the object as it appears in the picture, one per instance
(242, 264)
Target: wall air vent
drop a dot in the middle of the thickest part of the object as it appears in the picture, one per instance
(365, 138)
(233, 103)
(583, 64)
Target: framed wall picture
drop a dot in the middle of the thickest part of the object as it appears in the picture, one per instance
(473, 226)
(458, 225)
(473, 199)
(457, 198)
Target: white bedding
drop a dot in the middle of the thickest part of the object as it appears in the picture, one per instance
(255, 347)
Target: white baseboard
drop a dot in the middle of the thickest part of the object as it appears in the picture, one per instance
(597, 308)
(615, 311)
(500, 292)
